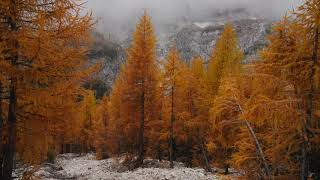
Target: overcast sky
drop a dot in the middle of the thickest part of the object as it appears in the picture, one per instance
(116, 13)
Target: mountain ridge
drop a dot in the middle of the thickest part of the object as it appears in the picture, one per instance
(192, 36)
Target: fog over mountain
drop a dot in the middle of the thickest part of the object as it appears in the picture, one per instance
(116, 16)
(192, 25)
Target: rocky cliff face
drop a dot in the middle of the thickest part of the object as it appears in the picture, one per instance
(108, 52)
(197, 38)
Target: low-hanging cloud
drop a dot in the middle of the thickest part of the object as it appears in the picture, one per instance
(117, 15)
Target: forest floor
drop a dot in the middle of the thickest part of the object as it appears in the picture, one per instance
(73, 166)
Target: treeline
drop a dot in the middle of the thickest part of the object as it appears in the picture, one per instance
(262, 118)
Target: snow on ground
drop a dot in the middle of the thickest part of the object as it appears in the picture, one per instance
(71, 166)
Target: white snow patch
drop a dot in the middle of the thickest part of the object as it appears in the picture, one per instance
(203, 25)
(70, 166)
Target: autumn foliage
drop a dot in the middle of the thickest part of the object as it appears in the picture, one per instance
(43, 51)
(261, 118)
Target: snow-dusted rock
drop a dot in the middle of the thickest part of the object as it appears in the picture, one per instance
(199, 38)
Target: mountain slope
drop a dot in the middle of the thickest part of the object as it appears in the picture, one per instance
(193, 36)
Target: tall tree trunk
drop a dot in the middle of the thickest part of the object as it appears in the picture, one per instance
(64, 148)
(259, 149)
(205, 157)
(303, 174)
(10, 148)
(226, 170)
(119, 147)
(8, 160)
(1, 131)
(309, 124)
(159, 153)
(304, 146)
(203, 150)
(312, 79)
(257, 144)
(171, 127)
(141, 134)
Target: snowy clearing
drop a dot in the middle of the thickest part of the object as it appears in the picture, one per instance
(72, 166)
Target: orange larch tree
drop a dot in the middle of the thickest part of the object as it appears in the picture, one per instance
(117, 134)
(293, 54)
(226, 58)
(100, 124)
(223, 71)
(141, 104)
(199, 124)
(43, 48)
(172, 72)
(88, 110)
